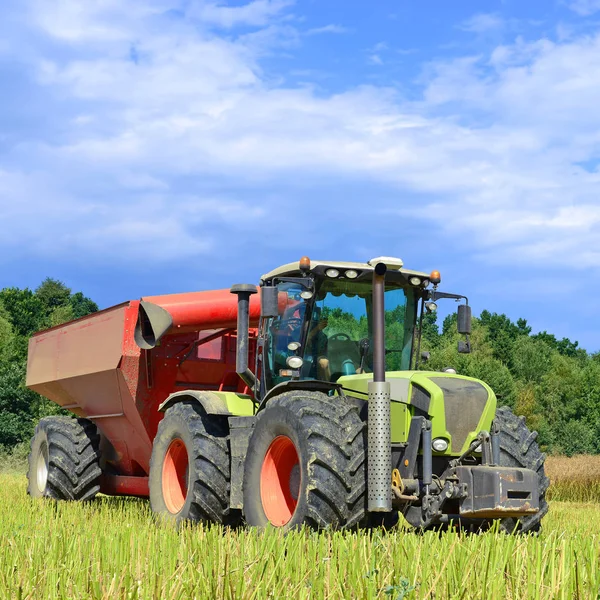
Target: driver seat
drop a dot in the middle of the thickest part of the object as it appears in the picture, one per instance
(343, 355)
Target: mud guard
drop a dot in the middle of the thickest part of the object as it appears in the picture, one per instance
(211, 403)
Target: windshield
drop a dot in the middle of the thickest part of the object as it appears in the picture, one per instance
(333, 330)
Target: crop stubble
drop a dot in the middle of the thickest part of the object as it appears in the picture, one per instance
(114, 548)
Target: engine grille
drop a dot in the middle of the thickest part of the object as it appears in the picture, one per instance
(464, 402)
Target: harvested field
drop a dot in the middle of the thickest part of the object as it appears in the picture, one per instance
(575, 479)
(113, 548)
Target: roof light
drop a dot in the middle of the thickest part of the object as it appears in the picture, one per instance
(389, 261)
(415, 281)
(351, 274)
(435, 277)
(332, 273)
(305, 263)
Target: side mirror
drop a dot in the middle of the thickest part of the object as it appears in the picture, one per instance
(464, 319)
(464, 347)
(269, 301)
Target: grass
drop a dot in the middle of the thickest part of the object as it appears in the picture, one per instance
(114, 548)
(575, 479)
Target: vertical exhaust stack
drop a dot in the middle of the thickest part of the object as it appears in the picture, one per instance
(243, 291)
(379, 449)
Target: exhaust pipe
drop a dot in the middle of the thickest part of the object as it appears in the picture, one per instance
(379, 449)
(243, 291)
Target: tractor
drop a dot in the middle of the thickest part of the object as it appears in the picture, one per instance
(299, 402)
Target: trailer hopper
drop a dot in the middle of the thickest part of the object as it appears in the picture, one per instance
(95, 368)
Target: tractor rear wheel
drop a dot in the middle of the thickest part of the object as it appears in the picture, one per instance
(190, 467)
(64, 462)
(518, 448)
(301, 462)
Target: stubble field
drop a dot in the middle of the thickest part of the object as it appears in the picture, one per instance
(114, 548)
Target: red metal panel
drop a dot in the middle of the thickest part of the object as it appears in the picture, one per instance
(85, 346)
(119, 485)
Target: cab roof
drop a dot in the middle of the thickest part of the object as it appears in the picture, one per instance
(292, 269)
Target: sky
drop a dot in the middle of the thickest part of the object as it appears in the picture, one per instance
(160, 146)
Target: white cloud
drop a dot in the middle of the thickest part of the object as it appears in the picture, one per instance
(500, 148)
(585, 7)
(482, 23)
(256, 13)
(331, 28)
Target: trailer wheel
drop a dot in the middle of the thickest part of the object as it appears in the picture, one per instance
(518, 448)
(190, 467)
(64, 459)
(298, 468)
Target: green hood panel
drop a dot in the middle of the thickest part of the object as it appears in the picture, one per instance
(459, 407)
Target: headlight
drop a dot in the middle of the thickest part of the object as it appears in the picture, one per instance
(351, 274)
(332, 272)
(306, 294)
(430, 306)
(294, 362)
(293, 346)
(440, 444)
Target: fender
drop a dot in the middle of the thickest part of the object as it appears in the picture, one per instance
(310, 385)
(211, 403)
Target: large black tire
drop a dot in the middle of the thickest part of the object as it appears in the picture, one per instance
(64, 462)
(304, 464)
(190, 467)
(518, 448)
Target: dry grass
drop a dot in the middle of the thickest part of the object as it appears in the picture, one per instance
(114, 549)
(575, 478)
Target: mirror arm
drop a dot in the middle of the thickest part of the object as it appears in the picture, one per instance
(434, 295)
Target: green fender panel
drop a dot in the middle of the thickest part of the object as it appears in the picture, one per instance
(214, 403)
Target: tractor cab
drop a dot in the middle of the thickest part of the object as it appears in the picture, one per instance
(317, 321)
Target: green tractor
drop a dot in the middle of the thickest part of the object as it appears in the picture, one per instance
(303, 405)
(348, 432)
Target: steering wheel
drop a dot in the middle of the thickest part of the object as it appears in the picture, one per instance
(288, 323)
(340, 336)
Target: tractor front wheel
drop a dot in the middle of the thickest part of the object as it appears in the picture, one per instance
(300, 461)
(518, 448)
(64, 459)
(190, 467)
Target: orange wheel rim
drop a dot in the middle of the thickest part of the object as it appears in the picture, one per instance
(280, 481)
(175, 476)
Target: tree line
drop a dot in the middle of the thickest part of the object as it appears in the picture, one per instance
(553, 382)
(22, 313)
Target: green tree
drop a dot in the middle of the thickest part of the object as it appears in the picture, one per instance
(25, 310)
(53, 294)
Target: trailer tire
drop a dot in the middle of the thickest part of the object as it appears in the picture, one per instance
(64, 461)
(190, 467)
(298, 469)
(518, 448)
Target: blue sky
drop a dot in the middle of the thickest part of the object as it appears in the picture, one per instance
(156, 146)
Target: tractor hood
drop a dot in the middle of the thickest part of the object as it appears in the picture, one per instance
(459, 407)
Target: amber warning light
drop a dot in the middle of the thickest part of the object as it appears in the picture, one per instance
(305, 263)
(435, 277)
